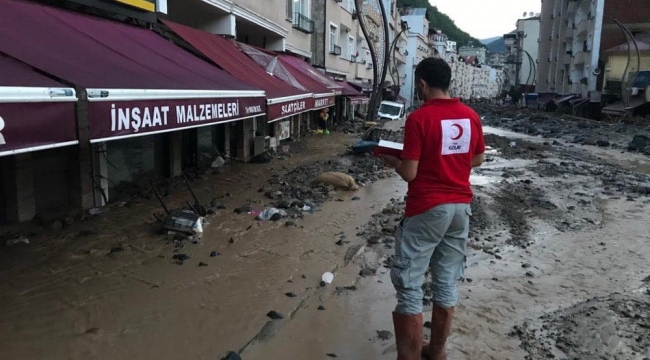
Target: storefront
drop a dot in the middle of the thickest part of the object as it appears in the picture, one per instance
(37, 136)
(131, 83)
(285, 103)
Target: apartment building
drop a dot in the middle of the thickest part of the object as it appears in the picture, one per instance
(479, 52)
(576, 38)
(418, 48)
(521, 55)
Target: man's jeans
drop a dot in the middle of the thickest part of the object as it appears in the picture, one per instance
(437, 238)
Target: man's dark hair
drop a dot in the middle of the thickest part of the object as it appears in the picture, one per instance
(435, 72)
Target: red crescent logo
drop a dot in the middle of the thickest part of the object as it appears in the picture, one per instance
(460, 132)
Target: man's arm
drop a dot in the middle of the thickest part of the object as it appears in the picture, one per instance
(477, 160)
(407, 169)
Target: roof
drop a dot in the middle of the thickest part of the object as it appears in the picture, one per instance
(643, 46)
(97, 53)
(414, 11)
(15, 73)
(311, 72)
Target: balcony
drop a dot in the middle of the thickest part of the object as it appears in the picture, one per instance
(353, 58)
(335, 49)
(579, 58)
(582, 27)
(303, 23)
(571, 8)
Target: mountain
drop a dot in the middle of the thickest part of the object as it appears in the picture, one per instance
(489, 40)
(441, 21)
(496, 46)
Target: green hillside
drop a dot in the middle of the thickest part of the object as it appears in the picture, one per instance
(440, 21)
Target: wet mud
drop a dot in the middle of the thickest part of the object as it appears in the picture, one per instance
(559, 244)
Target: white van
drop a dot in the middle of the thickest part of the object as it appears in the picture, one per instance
(391, 110)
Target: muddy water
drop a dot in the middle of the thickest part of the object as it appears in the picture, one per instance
(70, 299)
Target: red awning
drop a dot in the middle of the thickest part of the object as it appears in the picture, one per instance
(138, 83)
(312, 73)
(323, 97)
(361, 86)
(348, 90)
(36, 112)
(282, 100)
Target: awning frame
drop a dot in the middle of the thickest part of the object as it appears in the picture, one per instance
(25, 94)
(95, 94)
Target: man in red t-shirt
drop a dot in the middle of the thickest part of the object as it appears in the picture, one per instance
(443, 140)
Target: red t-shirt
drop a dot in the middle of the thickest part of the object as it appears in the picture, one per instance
(443, 135)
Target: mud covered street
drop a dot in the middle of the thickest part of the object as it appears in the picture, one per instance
(557, 266)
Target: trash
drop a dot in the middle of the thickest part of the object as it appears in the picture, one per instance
(12, 242)
(327, 277)
(218, 162)
(271, 214)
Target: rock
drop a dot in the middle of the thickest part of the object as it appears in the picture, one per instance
(603, 143)
(368, 272)
(638, 143)
(530, 274)
(244, 209)
(290, 224)
(231, 355)
(201, 264)
(427, 324)
(57, 225)
(356, 198)
(214, 254)
(321, 308)
(275, 315)
(374, 239)
(181, 257)
(263, 158)
(525, 266)
(116, 249)
(218, 162)
(332, 355)
(384, 335)
(290, 294)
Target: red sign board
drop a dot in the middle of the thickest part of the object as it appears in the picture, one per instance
(359, 100)
(36, 126)
(135, 118)
(289, 108)
(324, 102)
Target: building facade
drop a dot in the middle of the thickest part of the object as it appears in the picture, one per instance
(574, 40)
(479, 52)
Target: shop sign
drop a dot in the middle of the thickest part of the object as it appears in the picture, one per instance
(320, 103)
(289, 108)
(25, 126)
(132, 118)
(359, 100)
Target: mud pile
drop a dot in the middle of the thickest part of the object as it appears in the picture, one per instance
(633, 136)
(613, 327)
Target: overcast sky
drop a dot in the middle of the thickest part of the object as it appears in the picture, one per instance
(486, 18)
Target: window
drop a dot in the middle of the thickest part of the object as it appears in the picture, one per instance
(300, 16)
(301, 7)
(352, 49)
(334, 34)
(350, 6)
(289, 10)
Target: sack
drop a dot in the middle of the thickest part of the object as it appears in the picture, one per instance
(338, 180)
